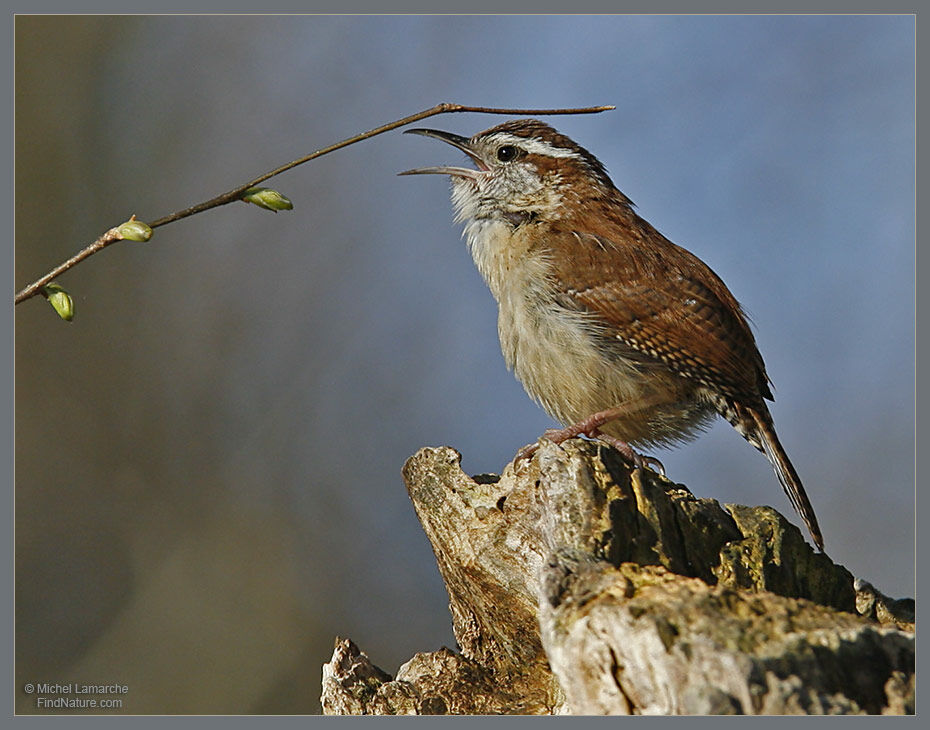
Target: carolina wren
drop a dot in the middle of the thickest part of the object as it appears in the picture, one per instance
(616, 331)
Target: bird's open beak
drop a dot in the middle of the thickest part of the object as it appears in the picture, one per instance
(456, 140)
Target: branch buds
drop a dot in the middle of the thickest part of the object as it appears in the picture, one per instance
(267, 198)
(133, 230)
(60, 300)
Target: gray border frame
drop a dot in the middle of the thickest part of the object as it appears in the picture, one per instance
(7, 370)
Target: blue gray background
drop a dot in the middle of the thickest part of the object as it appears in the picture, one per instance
(208, 458)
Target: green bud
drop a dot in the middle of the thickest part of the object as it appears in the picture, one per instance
(267, 198)
(133, 230)
(60, 300)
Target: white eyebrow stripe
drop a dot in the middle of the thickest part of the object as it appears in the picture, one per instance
(535, 146)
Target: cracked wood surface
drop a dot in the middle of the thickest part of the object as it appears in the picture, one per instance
(578, 585)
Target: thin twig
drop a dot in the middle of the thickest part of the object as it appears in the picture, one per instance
(235, 194)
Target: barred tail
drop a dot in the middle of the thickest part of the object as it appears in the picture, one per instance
(767, 442)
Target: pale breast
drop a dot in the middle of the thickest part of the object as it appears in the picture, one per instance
(557, 354)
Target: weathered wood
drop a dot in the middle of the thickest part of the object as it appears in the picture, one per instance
(579, 585)
(641, 639)
(436, 683)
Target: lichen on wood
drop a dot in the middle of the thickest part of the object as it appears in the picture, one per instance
(579, 585)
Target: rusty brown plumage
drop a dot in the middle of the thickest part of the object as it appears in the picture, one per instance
(616, 331)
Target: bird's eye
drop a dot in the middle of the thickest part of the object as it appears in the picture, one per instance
(507, 153)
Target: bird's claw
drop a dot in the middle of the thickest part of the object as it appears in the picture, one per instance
(526, 452)
(640, 461)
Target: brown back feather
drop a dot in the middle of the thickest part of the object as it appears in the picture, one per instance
(651, 298)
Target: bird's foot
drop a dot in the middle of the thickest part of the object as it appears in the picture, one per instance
(590, 427)
(640, 461)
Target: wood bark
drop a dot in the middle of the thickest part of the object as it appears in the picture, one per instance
(578, 585)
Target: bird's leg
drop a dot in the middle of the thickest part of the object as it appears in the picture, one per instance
(590, 427)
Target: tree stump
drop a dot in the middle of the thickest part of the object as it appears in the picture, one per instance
(578, 585)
